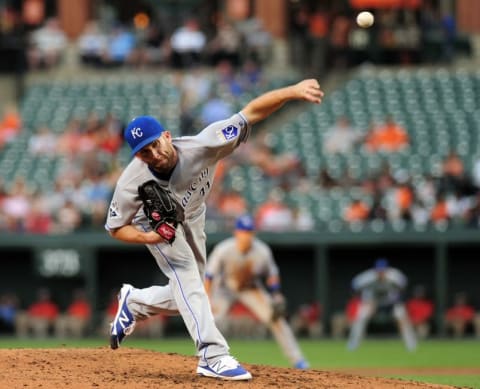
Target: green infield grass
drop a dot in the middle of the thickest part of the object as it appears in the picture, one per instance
(448, 362)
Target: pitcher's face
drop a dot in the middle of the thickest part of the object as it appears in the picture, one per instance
(160, 155)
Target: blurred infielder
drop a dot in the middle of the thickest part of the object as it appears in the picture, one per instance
(238, 269)
(180, 173)
(381, 287)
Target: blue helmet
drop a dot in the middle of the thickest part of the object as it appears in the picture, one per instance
(245, 223)
(381, 264)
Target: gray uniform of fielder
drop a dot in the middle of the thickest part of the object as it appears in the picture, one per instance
(224, 265)
(379, 292)
(183, 262)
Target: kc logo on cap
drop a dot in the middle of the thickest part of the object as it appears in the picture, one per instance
(137, 132)
(142, 131)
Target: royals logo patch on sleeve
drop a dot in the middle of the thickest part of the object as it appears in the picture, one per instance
(113, 210)
(229, 132)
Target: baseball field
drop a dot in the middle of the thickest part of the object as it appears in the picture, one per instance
(144, 363)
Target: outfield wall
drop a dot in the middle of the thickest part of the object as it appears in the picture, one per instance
(313, 265)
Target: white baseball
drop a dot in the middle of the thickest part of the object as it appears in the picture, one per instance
(365, 19)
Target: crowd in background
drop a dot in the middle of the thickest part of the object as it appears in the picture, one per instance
(321, 36)
(449, 197)
(88, 153)
(144, 44)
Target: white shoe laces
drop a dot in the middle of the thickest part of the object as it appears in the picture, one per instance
(229, 361)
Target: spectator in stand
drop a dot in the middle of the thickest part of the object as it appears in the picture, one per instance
(47, 45)
(92, 45)
(356, 211)
(459, 316)
(274, 214)
(251, 75)
(226, 44)
(439, 213)
(109, 137)
(258, 41)
(342, 321)
(387, 137)
(75, 321)
(307, 319)
(43, 142)
(39, 318)
(303, 219)
(121, 44)
(10, 124)
(8, 311)
(39, 220)
(454, 179)
(403, 201)
(420, 310)
(188, 44)
(68, 218)
(152, 48)
(341, 137)
(68, 139)
(88, 140)
(17, 205)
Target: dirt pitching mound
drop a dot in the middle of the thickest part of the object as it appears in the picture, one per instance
(135, 368)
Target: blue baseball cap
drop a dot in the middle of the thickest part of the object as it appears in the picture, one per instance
(142, 131)
(245, 223)
(381, 264)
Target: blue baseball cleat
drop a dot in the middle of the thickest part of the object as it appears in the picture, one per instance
(124, 323)
(226, 368)
(301, 364)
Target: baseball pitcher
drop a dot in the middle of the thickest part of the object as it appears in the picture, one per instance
(381, 288)
(159, 201)
(242, 268)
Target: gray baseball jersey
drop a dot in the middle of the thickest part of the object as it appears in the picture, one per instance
(183, 262)
(227, 267)
(226, 262)
(383, 291)
(376, 291)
